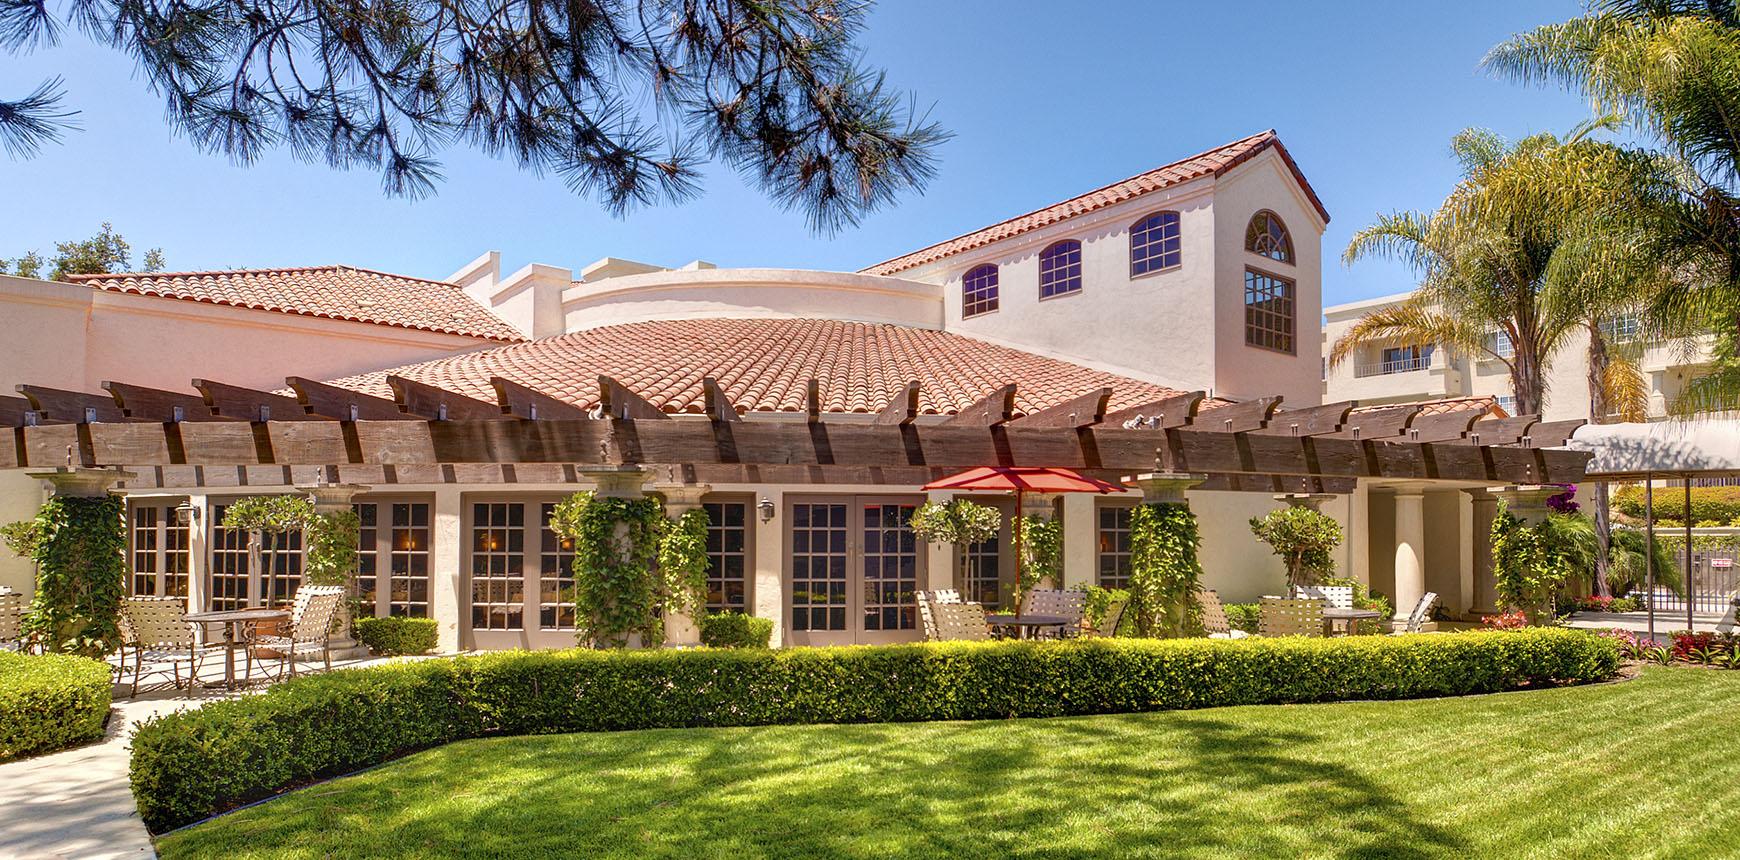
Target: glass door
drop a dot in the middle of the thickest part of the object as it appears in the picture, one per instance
(854, 566)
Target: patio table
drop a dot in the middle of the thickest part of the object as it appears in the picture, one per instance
(232, 619)
(1026, 624)
(1332, 614)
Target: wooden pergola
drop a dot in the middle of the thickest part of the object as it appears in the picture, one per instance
(228, 435)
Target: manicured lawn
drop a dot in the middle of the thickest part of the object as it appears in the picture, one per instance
(1645, 768)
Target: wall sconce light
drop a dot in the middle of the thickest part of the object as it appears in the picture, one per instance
(765, 509)
(186, 514)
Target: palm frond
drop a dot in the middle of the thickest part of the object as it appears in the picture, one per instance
(1412, 322)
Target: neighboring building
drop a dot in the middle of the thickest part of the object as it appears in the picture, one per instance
(1203, 275)
(1408, 372)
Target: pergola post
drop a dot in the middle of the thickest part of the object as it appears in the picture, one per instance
(1167, 487)
(1485, 586)
(1528, 502)
(683, 628)
(1043, 507)
(336, 499)
(1410, 557)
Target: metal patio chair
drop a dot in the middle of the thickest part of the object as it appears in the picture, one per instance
(158, 632)
(1069, 603)
(1214, 619)
(960, 621)
(1281, 616)
(1421, 613)
(12, 607)
(311, 615)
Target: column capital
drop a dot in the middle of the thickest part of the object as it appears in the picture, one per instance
(1314, 501)
(1480, 494)
(1042, 505)
(1529, 501)
(1167, 487)
(81, 481)
(618, 482)
(682, 498)
(333, 498)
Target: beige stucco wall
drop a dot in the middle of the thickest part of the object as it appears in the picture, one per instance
(751, 293)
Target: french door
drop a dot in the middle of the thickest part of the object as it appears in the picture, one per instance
(853, 567)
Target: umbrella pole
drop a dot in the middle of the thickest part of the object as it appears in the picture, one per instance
(1020, 593)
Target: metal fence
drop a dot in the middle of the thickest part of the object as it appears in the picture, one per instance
(1715, 574)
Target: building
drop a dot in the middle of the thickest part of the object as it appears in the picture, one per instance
(1203, 275)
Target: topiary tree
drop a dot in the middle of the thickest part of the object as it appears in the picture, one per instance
(1164, 571)
(1303, 538)
(276, 516)
(958, 522)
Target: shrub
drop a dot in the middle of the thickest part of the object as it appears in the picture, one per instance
(1506, 621)
(50, 702)
(1598, 603)
(1703, 647)
(1721, 504)
(184, 765)
(1244, 616)
(1303, 538)
(397, 635)
(735, 630)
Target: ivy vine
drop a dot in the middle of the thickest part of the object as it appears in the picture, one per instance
(617, 592)
(1164, 571)
(79, 547)
(1042, 554)
(683, 561)
(329, 540)
(1528, 566)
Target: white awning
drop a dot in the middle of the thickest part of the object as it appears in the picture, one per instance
(1663, 448)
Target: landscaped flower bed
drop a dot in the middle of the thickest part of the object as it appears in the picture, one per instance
(184, 764)
(50, 702)
(1704, 648)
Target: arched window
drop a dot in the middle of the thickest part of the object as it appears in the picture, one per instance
(1267, 237)
(1060, 269)
(979, 290)
(1154, 244)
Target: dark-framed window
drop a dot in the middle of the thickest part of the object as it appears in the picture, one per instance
(1112, 533)
(1269, 311)
(159, 550)
(1060, 269)
(393, 540)
(979, 290)
(498, 556)
(727, 556)
(233, 584)
(1268, 237)
(1155, 243)
(555, 574)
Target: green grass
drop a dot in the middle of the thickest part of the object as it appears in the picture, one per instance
(1645, 768)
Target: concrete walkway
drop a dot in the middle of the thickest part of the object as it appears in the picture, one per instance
(1665, 622)
(77, 803)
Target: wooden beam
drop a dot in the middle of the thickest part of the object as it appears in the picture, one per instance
(1498, 431)
(813, 400)
(15, 411)
(902, 408)
(534, 405)
(988, 411)
(1084, 411)
(1238, 417)
(719, 405)
(1367, 424)
(428, 401)
(344, 404)
(1310, 421)
(1179, 411)
(154, 404)
(619, 402)
(1443, 427)
(247, 404)
(1551, 434)
(76, 407)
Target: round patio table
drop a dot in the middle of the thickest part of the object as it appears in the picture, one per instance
(1026, 624)
(1333, 614)
(232, 620)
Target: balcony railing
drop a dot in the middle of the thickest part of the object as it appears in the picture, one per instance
(1395, 365)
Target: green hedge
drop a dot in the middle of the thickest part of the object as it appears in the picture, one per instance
(397, 635)
(50, 702)
(1719, 505)
(185, 764)
(735, 630)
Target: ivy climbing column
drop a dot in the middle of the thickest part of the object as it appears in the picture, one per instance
(681, 628)
(1164, 571)
(332, 500)
(81, 562)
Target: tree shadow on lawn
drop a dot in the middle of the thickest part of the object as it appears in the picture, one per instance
(1127, 786)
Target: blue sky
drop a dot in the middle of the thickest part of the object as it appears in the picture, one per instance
(1046, 100)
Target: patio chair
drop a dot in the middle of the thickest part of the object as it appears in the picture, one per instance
(1421, 613)
(1214, 619)
(157, 630)
(1290, 617)
(927, 599)
(1108, 626)
(12, 621)
(1069, 603)
(311, 616)
(1333, 596)
(960, 621)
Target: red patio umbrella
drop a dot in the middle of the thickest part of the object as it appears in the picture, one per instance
(1022, 480)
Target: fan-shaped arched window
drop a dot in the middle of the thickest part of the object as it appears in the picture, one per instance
(1155, 244)
(1267, 237)
(1060, 269)
(979, 290)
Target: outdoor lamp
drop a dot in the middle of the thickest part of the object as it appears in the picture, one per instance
(765, 509)
(186, 513)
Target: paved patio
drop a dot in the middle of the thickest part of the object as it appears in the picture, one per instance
(77, 803)
(1665, 622)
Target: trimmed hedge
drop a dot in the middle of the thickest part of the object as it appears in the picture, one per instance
(50, 702)
(1717, 505)
(735, 630)
(393, 635)
(184, 764)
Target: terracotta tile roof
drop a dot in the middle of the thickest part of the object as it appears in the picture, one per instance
(1213, 162)
(334, 292)
(765, 365)
(1446, 406)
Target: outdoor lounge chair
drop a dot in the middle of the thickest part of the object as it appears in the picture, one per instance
(310, 631)
(1214, 618)
(1290, 617)
(1421, 614)
(1108, 626)
(12, 621)
(1069, 603)
(928, 599)
(158, 632)
(960, 621)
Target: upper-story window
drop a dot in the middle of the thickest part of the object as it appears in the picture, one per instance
(1621, 328)
(979, 290)
(1060, 269)
(1499, 344)
(1155, 244)
(1267, 237)
(1269, 311)
(1405, 359)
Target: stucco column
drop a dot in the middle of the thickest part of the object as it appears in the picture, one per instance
(1528, 502)
(768, 590)
(1080, 539)
(336, 499)
(1167, 487)
(940, 559)
(446, 579)
(1484, 591)
(198, 552)
(1410, 550)
(681, 628)
(1040, 506)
